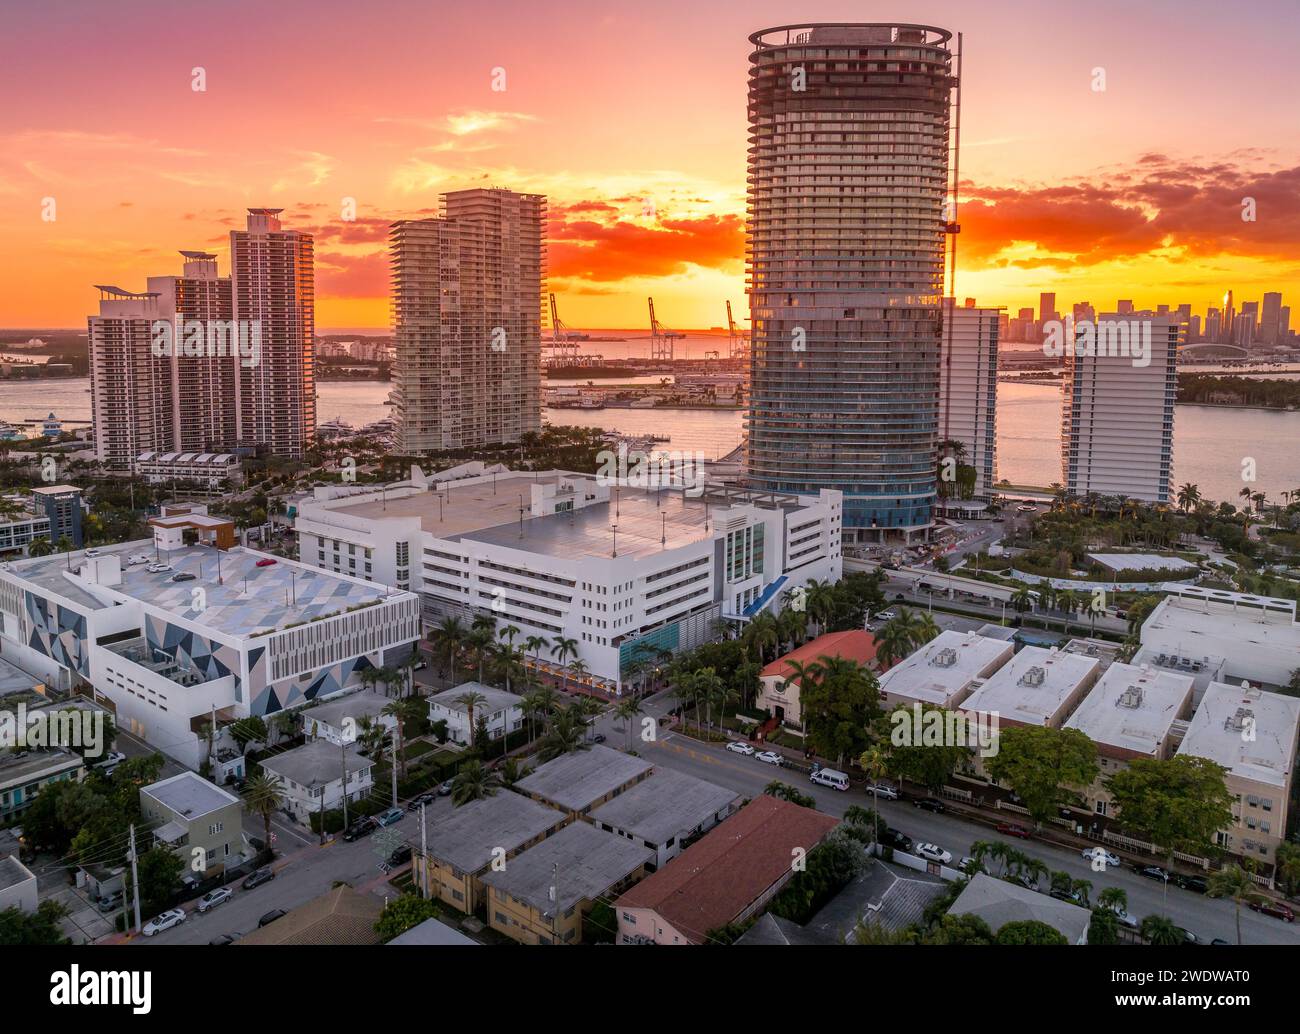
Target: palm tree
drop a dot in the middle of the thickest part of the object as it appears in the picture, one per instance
(512, 771)
(1021, 600)
(761, 633)
(562, 650)
(1114, 899)
(873, 764)
(897, 637)
(40, 547)
(535, 644)
(450, 636)
(627, 710)
(470, 700)
(508, 633)
(405, 709)
(1235, 883)
(262, 797)
(481, 640)
(578, 668)
(926, 629)
(473, 782)
(1188, 496)
(1157, 929)
(567, 736)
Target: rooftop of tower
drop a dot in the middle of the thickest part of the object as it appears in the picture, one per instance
(849, 34)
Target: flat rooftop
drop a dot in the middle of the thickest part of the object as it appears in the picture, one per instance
(23, 765)
(665, 805)
(1141, 562)
(315, 764)
(1133, 708)
(1257, 644)
(494, 699)
(488, 513)
(190, 795)
(1219, 732)
(575, 780)
(241, 598)
(589, 860)
(366, 704)
(1034, 686)
(940, 671)
(467, 837)
(12, 872)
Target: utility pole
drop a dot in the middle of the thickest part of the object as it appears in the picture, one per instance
(343, 756)
(394, 767)
(322, 816)
(555, 902)
(135, 881)
(424, 854)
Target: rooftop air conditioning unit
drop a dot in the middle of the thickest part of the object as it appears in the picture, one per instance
(1131, 697)
(945, 658)
(1035, 676)
(1240, 719)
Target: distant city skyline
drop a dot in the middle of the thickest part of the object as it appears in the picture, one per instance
(1088, 194)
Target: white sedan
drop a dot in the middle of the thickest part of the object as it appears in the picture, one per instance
(770, 757)
(736, 747)
(1100, 855)
(163, 569)
(165, 921)
(934, 852)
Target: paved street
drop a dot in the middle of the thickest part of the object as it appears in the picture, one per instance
(1206, 917)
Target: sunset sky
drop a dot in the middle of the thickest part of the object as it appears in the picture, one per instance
(631, 119)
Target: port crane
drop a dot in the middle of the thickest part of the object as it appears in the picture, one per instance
(661, 338)
(738, 340)
(564, 342)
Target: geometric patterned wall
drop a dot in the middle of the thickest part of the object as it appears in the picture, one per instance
(291, 692)
(61, 637)
(191, 650)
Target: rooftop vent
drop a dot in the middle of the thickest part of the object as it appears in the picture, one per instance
(1241, 719)
(1035, 676)
(945, 658)
(1131, 697)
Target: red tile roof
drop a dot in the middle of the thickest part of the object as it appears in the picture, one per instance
(715, 879)
(854, 645)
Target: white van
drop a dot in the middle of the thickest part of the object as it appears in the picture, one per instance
(829, 777)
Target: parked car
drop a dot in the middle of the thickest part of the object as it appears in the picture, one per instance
(400, 856)
(884, 791)
(1094, 854)
(934, 852)
(158, 568)
(1025, 880)
(598, 738)
(1007, 829)
(969, 865)
(444, 788)
(265, 562)
(213, 898)
(770, 757)
(164, 921)
(390, 816)
(1189, 937)
(137, 558)
(931, 804)
(110, 902)
(736, 747)
(1220, 940)
(263, 875)
(886, 615)
(183, 576)
(361, 828)
(1196, 884)
(428, 797)
(270, 917)
(892, 837)
(1125, 918)
(1273, 908)
(112, 758)
(224, 938)
(1152, 872)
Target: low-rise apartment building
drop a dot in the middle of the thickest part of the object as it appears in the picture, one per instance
(24, 773)
(1253, 735)
(579, 783)
(311, 777)
(944, 671)
(195, 819)
(779, 683)
(541, 896)
(1133, 711)
(502, 712)
(1036, 687)
(341, 719)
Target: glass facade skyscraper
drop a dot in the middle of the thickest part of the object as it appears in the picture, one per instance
(848, 176)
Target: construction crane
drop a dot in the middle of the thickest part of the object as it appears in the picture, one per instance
(564, 341)
(661, 338)
(737, 339)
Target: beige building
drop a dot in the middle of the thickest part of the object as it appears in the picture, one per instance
(478, 837)
(1253, 735)
(198, 820)
(1132, 712)
(467, 304)
(945, 671)
(1037, 687)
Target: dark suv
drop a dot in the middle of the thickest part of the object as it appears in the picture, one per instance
(893, 838)
(360, 828)
(264, 875)
(931, 804)
(1196, 884)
